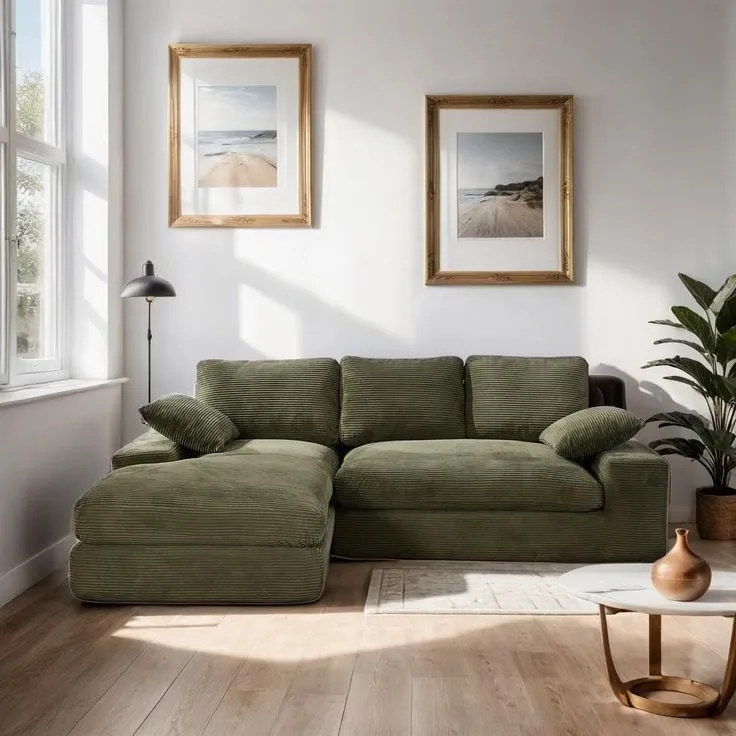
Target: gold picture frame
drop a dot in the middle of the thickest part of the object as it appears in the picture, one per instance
(301, 184)
(560, 236)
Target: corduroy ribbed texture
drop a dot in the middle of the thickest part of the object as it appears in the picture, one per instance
(189, 422)
(238, 575)
(401, 399)
(591, 431)
(632, 527)
(464, 475)
(636, 490)
(470, 535)
(516, 398)
(277, 496)
(150, 447)
(275, 399)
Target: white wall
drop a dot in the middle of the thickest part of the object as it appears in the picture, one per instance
(648, 78)
(51, 451)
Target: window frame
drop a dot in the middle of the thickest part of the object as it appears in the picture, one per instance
(15, 370)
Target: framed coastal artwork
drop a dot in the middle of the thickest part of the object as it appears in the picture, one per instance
(499, 190)
(239, 136)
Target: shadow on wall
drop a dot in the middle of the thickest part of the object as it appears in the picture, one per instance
(644, 399)
(310, 325)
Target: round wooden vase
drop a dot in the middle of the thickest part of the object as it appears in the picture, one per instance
(681, 575)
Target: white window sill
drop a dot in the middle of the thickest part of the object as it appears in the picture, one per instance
(41, 391)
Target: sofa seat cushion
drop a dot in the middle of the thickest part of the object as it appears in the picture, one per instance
(470, 475)
(254, 493)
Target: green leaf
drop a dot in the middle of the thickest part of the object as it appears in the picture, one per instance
(726, 346)
(684, 419)
(681, 379)
(720, 441)
(689, 343)
(726, 318)
(729, 382)
(724, 294)
(715, 442)
(697, 325)
(692, 449)
(702, 293)
(666, 323)
(699, 372)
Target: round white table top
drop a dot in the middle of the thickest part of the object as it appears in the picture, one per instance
(628, 587)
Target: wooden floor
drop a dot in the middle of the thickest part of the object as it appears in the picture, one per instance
(67, 669)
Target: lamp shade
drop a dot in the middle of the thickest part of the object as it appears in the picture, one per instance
(148, 285)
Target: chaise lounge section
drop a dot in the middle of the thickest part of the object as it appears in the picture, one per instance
(252, 524)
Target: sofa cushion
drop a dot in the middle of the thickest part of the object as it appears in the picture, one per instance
(401, 399)
(275, 399)
(591, 431)
(469, 475)
(189, 422)
(259, 492)
(517, 398)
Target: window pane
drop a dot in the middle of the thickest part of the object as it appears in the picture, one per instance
(36, 316)
(34, 68)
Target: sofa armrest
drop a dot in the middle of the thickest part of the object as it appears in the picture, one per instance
(635, 484)
(150, 447)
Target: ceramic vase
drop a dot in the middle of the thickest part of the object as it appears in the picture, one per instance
(681, 575)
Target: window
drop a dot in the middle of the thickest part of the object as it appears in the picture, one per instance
(33, 157)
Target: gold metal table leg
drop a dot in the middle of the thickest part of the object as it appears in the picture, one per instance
(635, 693)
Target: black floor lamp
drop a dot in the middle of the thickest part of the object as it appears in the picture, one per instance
(148, 286)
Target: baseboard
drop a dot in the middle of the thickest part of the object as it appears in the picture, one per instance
(680, 515)
(28, 573)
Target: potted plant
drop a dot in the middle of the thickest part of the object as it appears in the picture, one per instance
(712, 374)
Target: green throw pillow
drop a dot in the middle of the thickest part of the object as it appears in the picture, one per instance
(591, 431)
(190, 422)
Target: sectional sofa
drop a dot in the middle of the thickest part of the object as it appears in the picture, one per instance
(435, 458)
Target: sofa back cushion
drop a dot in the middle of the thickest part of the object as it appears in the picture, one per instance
(401, 399)
(516, 398)
(275, 399)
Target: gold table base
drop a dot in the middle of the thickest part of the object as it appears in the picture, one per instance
(634, 693)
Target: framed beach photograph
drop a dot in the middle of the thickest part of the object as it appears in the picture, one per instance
(240, 136)
(499, 189)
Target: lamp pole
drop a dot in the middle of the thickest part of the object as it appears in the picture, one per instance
(149, 337)
(148, 286)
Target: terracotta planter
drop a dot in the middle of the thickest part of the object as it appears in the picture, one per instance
(681, 575)
(715, 515)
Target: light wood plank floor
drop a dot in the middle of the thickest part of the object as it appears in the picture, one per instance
(326, 669)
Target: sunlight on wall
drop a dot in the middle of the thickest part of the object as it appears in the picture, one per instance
(94, 127)
(268, 326)
(94, 222)
(350, 273)
(96, 228)
(616, 323)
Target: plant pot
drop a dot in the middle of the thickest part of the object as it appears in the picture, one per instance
(715, 514)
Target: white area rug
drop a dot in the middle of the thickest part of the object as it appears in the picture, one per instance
(488, 587)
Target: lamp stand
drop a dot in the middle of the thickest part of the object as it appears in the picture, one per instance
(149, 337)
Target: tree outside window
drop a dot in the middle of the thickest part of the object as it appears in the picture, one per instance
(30, 218)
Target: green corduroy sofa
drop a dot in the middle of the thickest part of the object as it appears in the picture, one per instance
(430, 458)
